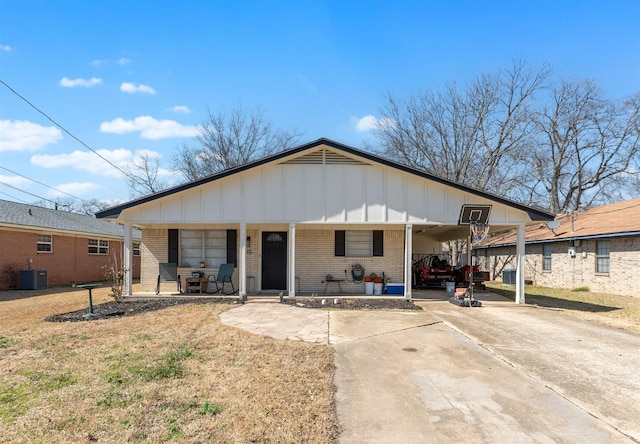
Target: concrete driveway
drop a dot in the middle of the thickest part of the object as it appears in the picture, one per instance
(499, 373)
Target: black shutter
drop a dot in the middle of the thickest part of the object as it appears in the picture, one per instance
(340, 243)
(232, 247)
(378, 243)
(172, 242)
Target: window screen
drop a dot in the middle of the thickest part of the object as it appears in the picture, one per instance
(602, 256)
(98, 246)
(45, 243)
(546, 257)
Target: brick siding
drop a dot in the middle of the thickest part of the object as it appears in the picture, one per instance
(69, 261)
(315, 258)
(579, 271)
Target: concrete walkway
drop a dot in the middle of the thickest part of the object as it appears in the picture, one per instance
(499, 373)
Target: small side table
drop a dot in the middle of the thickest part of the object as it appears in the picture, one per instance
(89, 287)
(332, 281)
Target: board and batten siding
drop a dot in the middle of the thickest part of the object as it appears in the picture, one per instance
(299, 193)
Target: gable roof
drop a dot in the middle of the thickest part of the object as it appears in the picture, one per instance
(614, 220)
(114, 212)
(32, 217)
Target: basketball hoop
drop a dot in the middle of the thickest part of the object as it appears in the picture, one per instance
(479, 232)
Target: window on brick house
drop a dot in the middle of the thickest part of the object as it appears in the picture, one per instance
(546, 257)
(207, 245)
(136, 249)
(602, 256)
(45, 243)
(98, 246)
(359, 243)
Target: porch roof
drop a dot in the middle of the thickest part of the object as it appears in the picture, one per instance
(443, 227)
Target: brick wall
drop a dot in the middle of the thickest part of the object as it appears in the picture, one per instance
(69, 261)
(314, 259)
(579, 271)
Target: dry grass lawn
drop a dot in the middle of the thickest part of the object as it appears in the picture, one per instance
(176, 374)
(622, 312)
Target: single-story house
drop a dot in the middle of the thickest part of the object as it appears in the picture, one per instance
(289, 220)
(65, 247)
(598, 248)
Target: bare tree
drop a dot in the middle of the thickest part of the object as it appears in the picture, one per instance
(143, 176)
(475, 136)
(229, 140)
(589, 150)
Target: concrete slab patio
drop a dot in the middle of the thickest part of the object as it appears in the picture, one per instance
(499, 373)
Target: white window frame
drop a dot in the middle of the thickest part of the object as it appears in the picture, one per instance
(603, 256)
(99, 247)
(547, 257)
(41, 240)
(207, 245)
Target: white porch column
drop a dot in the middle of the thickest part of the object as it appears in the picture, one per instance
(127, 260)
(242, 259)
(520, 265)
(292, 260)
(408, 262)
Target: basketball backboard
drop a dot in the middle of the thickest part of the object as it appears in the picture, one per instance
(474, 214)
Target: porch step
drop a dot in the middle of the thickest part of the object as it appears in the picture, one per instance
(262, 299)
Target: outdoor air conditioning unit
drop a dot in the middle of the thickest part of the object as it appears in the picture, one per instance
(33, 279)
(509, 277)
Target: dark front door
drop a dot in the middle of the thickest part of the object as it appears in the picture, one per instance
(274, 260)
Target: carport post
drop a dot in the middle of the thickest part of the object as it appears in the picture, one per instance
(520, 265)
(292, 261)
(408, 253)
(127, 264)
(242, 265)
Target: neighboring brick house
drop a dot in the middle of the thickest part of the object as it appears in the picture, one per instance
(70, 247)
(290, 219)
(598, 248)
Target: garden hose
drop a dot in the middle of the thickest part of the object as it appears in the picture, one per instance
(357, 273)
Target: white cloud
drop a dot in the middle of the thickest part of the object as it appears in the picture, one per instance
(22, 135)
(133, 88)
(121, 61)
(6, 48)
(180, 109)
(370, 122)
(15, 181)
(149, 128)
(86, 161)
(68, 83)
(367, 123)
(74, 188)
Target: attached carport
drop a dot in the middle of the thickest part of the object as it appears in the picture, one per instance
(323, 186)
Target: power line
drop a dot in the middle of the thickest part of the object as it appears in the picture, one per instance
(64, 129)
(14, 197)
(26, 192)
(43, 184)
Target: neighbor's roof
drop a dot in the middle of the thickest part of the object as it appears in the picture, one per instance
(24, 216)
(114, 212)
(614, 220)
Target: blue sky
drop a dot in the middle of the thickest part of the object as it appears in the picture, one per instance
(135, 75)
